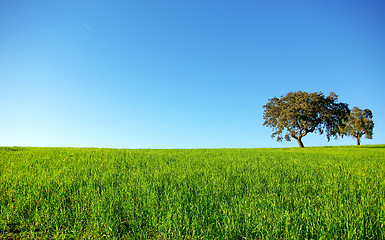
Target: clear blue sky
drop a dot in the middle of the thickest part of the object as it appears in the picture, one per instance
(180, 74)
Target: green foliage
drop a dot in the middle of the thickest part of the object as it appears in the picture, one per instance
(300, 113)
(358, 124)
(315, 193)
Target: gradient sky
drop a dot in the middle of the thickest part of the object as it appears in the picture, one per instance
(181, 74)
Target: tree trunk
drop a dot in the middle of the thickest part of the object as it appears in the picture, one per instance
(358, 141)
(300, 142)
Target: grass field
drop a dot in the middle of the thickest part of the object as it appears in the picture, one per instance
(291, 193)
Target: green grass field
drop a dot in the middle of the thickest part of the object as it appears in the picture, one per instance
(291, 193)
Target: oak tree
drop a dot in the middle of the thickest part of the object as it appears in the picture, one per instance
(299, 113)
(358, 124)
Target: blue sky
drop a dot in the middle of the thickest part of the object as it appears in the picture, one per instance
(180, 74)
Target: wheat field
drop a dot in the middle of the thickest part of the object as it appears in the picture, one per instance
(285, 193)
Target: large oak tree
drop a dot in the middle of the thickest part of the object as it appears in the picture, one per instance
(299, 113)
(359, 123)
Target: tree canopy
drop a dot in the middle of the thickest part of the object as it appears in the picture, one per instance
(358, 124)
(299, 113)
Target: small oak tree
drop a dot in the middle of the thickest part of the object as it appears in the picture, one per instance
(359, 123)
(300, 113)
